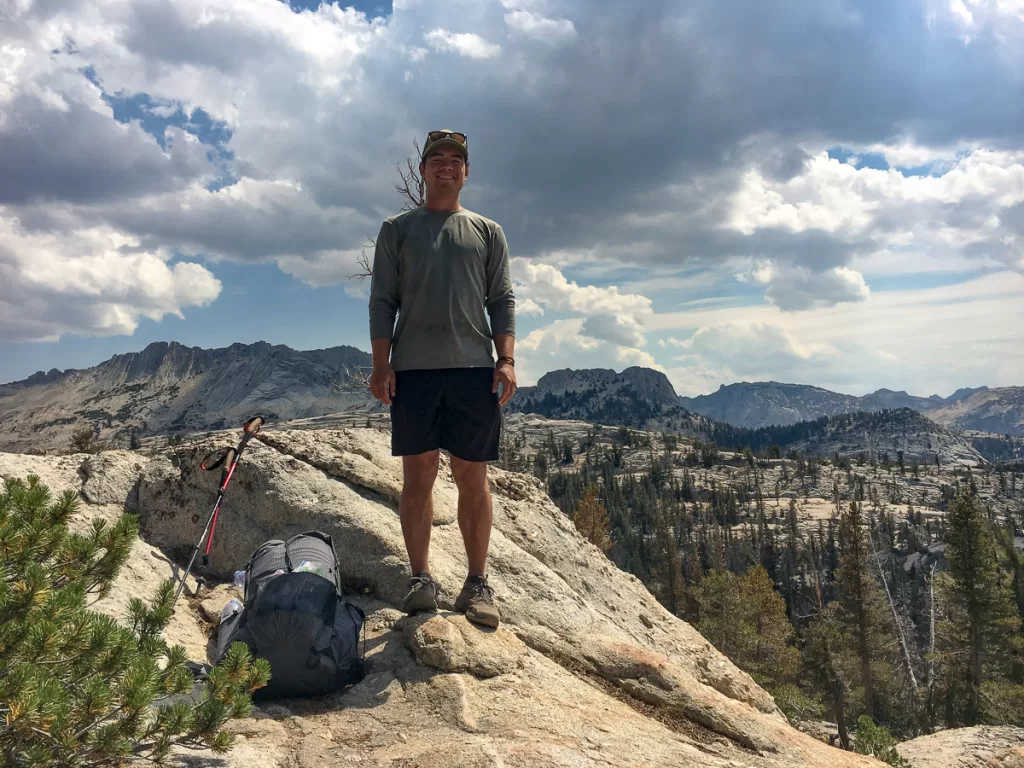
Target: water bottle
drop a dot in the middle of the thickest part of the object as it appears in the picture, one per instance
(240, 582)
(234, 606)
(307, 566)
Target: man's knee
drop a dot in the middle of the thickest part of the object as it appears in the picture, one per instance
(419, 471)
(469, 475)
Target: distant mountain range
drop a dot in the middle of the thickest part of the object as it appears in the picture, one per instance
(644, 399)
(880, 435)
(168, 387)
(762, 404)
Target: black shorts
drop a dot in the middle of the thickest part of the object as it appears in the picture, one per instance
(449, 408)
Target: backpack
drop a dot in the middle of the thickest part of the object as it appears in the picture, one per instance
(297, 619)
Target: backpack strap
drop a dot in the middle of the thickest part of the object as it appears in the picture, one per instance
(356, 668)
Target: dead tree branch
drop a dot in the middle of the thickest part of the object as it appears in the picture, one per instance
(413, 193)
(899, 626)
(411, 189)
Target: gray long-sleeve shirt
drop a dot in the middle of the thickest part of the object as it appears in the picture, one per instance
(443, 273)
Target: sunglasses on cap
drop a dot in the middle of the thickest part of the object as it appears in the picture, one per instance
(438, 135)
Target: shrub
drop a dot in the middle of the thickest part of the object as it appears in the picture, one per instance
(876, 740)
(77, 689)
(83, 440)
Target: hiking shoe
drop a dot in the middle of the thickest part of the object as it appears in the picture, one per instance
(423, 595)
(476, 600)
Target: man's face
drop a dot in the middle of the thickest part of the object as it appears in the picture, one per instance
(444, 171)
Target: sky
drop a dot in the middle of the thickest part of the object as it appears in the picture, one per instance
(825, 192)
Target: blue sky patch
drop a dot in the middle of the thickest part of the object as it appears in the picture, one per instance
(863, 159)
(372, 8)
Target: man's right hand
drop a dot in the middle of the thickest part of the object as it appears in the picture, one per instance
(382, 383)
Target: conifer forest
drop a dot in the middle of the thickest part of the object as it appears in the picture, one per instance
(847, 586)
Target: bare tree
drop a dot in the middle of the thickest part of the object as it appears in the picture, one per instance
(412, 189)
(413, 192)
(363, 263)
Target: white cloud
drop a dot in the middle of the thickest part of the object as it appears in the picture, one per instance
(325, 268)
(528, 308)
(630, 356)
(617, 329)
(959, 10)
(93, 281)
(540, 27)
(793, 288)
(896, 339)
(462, 43)
(607, 314)
(553, 337)
(752, 348)
(548, 287)
(909, 154)
(941, 216)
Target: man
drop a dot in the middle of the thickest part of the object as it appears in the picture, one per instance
(444, 271)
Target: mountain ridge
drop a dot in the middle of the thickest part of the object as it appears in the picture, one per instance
(770, 403)
(169, 387)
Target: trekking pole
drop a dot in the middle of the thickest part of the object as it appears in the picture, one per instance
(228, 458)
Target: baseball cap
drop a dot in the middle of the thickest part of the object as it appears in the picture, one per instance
(446, 138)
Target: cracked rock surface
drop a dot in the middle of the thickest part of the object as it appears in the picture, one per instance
(586, 669)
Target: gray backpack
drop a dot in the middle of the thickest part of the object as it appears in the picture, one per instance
(296, 618)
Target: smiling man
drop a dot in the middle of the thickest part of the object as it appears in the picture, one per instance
(444, 271)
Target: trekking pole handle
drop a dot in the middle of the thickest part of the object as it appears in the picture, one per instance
(253, 425)
(229, 467)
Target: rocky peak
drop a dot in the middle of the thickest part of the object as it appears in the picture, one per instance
(964, 392)
(651, 384)
(646, 383)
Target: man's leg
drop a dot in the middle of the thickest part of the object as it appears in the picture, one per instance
(415, 508)
(474, 511)
(476, 599)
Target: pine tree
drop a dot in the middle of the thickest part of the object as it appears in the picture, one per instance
(861, 612)
(591, 520)
(76, 688)
(981, 610)
(672, 589)
(83, 440)
(721, 612)
(823, 644)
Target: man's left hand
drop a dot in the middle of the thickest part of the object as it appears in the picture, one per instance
(505, 375)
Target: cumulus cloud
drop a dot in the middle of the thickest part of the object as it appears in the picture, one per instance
(540, 27)
(793, 288)
(91, 281)
(607, 314)
(59, 140)
(463, 43)
(614, 328)
(630, 356)
(548, 286)
(897, 339)
(963, 210)
(751, 348)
